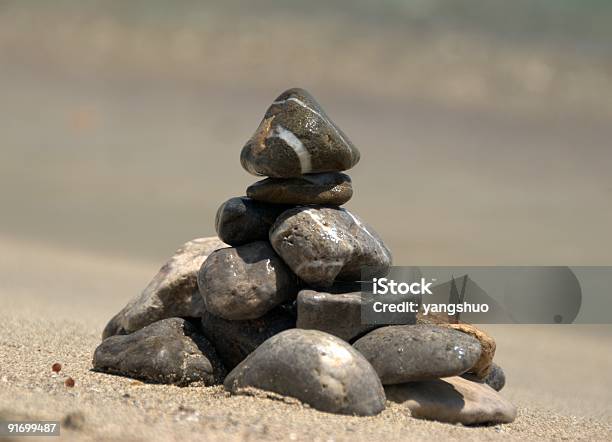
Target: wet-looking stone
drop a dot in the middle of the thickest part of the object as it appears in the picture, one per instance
(296, 137)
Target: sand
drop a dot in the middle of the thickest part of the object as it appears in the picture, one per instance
(557, 376)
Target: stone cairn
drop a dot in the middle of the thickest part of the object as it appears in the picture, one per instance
(278, 309)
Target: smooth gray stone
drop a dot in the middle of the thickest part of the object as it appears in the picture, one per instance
(332, 188)
(454, 400)
(173, 292)
(315, 367)
(170, 351)
(407, 353)
(242, 220)
(235, 340)
(325, 244)
(336, 314)
(296, 137)
(496, 379)
(245, 282)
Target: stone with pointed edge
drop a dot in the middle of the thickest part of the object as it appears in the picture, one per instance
(173, 292)
(325, 244)
(296, 137)
(314, 367)
(331, 188)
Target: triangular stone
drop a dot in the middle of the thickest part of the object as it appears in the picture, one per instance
(173, 292)
(297, 137)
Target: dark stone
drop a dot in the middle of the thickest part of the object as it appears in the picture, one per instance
(314, 367)
(454, 400)
(324, 244)
(245, 282)
(407, 353)
(170, 351)
(173, 292)
(296, 137)
(241, 220)
(336, 314)
(235, 340)
(331, 188)
(496, 379)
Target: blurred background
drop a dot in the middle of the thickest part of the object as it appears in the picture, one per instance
(485, 127)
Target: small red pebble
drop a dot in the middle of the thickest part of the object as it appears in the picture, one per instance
(69, 382)
(57, 367)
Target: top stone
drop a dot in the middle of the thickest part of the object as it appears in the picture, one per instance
(296, 137)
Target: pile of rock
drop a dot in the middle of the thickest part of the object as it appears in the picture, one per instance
(280, 306)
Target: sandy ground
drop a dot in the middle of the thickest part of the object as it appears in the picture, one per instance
(558, 376)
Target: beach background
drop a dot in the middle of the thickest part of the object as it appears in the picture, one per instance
(485, 133)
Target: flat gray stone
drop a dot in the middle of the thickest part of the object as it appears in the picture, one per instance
(235, 340)
(314, 367)
(336, 314)
(245, 282)
(453, 400)
(332, 188)
(296, 137)
(325, 244)
(242, 220)
(407, 353)
(170, 351)
(173, 292)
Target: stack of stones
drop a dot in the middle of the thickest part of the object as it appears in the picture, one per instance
(273, 303)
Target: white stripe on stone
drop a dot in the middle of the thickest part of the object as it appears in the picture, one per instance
(318, 114)
(296, 144)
